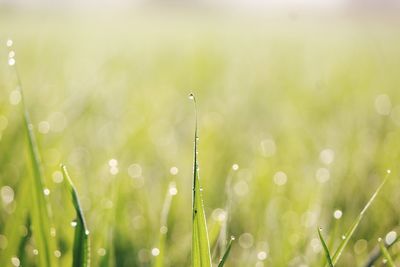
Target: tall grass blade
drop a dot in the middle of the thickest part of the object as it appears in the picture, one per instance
(201, 256)
(355, 224)
(226, 254)
(326, 250)
(385, 253)
(172, 191)
(81, 251)
(41, 211)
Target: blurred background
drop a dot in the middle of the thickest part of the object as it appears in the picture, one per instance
(299, 108)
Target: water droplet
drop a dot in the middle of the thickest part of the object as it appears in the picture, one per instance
(235, 167)
(9, 43)
(101, 252)
(87, 232)
(337, 214)
(379, 239)
(46, 191)
(343, 237)
(113, 163)
(11, 61)
(114, 170)
(246, 240)
(53, 232)
(327, 156)
(11, 54)
(163, 229)
(7, 194)
(15, 261)
(58, 177)
(191, 96)
(320, 229)
(74, 223)
(135, 170)
(280, 178)
(390, 237)
(174, 170)
(173, 190)
(57, 253)
(322, 175)
(155, 252)
(388, 171)
(15, 97)
(44, 127)
(262, 255)
(35, 252)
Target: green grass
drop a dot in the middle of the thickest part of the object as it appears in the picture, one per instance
(81, 249)
(385, 253)
(201, 256)
(300, 106)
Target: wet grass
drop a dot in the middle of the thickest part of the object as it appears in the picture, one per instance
(293, 136)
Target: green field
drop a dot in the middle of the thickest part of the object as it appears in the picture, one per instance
(297, 118)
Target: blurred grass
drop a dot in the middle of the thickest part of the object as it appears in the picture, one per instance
(115, 87)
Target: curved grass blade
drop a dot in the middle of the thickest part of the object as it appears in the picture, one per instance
(81, 252)
(326, 250)
(226, 254)
(172, 191)
(385, 253)
(201, 256)
(376, 253)
(355, 224)
(41, 210)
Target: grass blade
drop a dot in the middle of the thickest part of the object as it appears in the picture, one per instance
(226, 254)
(81, 252)
(41, 211)
(327, 254)
(201, 256)
(385, 253)
(172, 191)
(355, 224)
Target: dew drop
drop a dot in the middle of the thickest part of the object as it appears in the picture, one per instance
(155, 252)
(46, 191)
(191, 96)
(9, 43)
(262, 255)
(74, 223)
(163, 229)
(35, 252)
(53, 232)
(57, 253)
(174, 170)
(15, 261)
(87, 232)
(390, 237)
(337, 214)
(101, 251)
(235, 167)
(11, 61)
(343, 237)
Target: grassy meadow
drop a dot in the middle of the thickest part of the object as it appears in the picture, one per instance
(298, 119)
